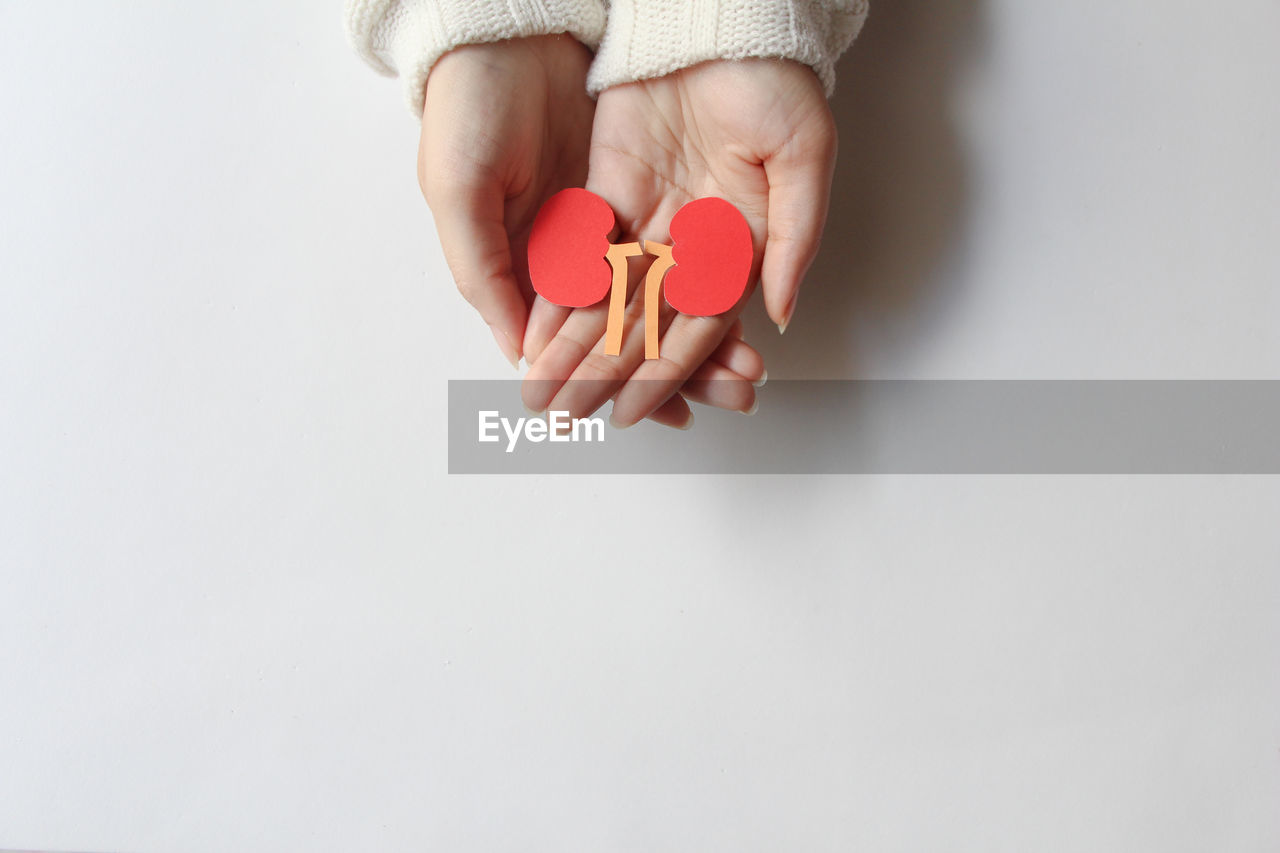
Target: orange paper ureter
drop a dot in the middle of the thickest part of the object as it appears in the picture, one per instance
(617, 258)
(652, 291)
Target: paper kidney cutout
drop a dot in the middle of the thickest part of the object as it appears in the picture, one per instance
(711, 246)
(567, 247)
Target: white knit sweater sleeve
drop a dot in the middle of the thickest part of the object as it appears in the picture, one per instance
(406, 37)
(652, 38)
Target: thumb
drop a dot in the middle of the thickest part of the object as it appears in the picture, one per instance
(799, 177)
(469, 221)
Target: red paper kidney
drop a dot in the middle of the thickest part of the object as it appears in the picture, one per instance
(712, 250)
(567, 247)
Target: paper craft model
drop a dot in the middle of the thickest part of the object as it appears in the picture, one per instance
(572, 263)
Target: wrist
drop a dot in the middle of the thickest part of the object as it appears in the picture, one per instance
(408, 37)
(670, 35)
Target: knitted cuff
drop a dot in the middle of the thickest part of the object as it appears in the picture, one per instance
(406, 37)
(652, 38)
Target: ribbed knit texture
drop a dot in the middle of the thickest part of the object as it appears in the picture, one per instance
(406, 37)
(652, 38)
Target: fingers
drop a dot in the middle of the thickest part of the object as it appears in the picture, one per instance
(687, 343)
(570, 372)
(596, 377)
(579, 337)
(545, 319)
(674, 413)
(714, 384)
(799, 176)
(726, 380)
(740, 358)
(576, 352)
(469, 221)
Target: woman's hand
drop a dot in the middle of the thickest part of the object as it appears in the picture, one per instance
(504, 127)
(757, 133)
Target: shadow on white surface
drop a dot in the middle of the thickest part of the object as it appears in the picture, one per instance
(900, 188)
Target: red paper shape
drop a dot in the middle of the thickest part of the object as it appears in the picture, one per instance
(567, 247)
(712, 250)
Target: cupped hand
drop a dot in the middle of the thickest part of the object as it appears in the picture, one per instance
(505, 126)
(757, 133)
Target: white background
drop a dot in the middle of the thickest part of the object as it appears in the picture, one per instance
(243, 607)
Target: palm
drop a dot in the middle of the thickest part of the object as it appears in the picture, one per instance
(548, 149)
(707, 130)
(518, 148)
(660, 144)
(758, 134)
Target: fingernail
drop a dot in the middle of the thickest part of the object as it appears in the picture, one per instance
(508, 348)
(615, 423)
(755, 407)
(786, 315)
(687, 424)
(759, 383)
(530, 410)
